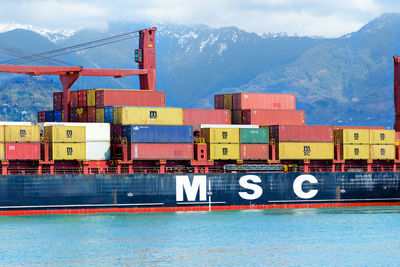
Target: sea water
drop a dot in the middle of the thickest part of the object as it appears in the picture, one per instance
(303, 237)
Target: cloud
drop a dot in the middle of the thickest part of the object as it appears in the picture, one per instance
(303, 17)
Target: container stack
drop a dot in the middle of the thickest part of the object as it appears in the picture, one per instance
(261, 109)
(254, 144)
(303, 142)
(366, 144)
(159, 142)
(19, 141)
(222, 143)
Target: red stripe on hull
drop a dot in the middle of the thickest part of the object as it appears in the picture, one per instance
(192, 208)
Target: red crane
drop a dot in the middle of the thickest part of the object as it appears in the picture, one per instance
(396, 83)
(145, 56)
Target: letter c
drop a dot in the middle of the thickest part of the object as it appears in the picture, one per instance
(298, 183)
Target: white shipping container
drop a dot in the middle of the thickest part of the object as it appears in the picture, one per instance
(95, 132)
(98, 151)
(17, 123)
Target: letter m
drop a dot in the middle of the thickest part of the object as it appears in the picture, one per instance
(199, 183)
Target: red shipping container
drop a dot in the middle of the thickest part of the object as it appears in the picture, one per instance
(301, 133)
(113, 97)
(263, 101)
(206, 116)
(116, 133)
(58, 100)
(254, 151)
(22, 151)
(41, 116)
(273, 117)
(161, 151)
(74, 103)
(358, 127)
(219, 101)
(397, 136)
(91, 114)
(82, 98)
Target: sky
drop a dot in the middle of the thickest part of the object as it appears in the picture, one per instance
(328, 18)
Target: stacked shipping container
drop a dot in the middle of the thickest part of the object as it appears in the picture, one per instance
(222, 143)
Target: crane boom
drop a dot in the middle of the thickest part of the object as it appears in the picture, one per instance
(68, 75)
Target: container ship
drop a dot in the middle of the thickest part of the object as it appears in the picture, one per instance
(108, 150)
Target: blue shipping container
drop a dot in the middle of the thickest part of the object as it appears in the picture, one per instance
(108, 114)
(58, 115)
(158, 133)
(49, 116)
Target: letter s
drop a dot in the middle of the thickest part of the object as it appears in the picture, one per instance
(298, 183)
(257, 190)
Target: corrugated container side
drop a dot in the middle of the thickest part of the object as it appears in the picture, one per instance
(236, 117)
(254, 151)
(208, 116)
(58, 100)
(74, 101)
(41, 116)
(148, 115)
(68, 151)
(303, 151)
(94, 132)
(57, 115)
(273, 117)
(382, 137)
(82, 98)
(356, 152)
(82, 114)
(2, 134)
(223, 151)
(358, 127)
(49, 116)
(383, 152)
(109, 114)
(22, 151)
(228, 101)
(254, 136)
(301, 133)
(2, 154)
(219, 101)
(65, 134)
(21, 134)
(397, 137)
(352, 136)
(116, 133)
(161, 151)
(263, 101)
(158, 133)
(91, 97)
(114, 97)
(98, 150)
(220, 135)
(99, 114)
(91, 114)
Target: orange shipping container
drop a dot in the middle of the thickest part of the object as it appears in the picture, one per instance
(206, 116)
(57, 100)
(114, 97)
(74, 102)
(219, 101)
(263, 101)
(91, 114)
(150, 151)
(273, 117)
(254, 151)
(82, 98)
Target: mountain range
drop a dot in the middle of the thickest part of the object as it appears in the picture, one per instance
(338, 81)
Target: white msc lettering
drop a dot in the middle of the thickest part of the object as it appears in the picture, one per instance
(183, 184)
(298, 184)
(257, 190)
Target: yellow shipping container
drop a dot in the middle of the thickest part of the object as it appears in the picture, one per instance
(383, 152)
(303, 151)
(148, 115)
(65, 134)
(22, 133)
(1, 133)
(228, 101)
(68, 151)
(356, 152)
(221, 135)
(2, 152)
(382, 137)
(91, 97)
(352, 136)
(99, 114)
(224, 151)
